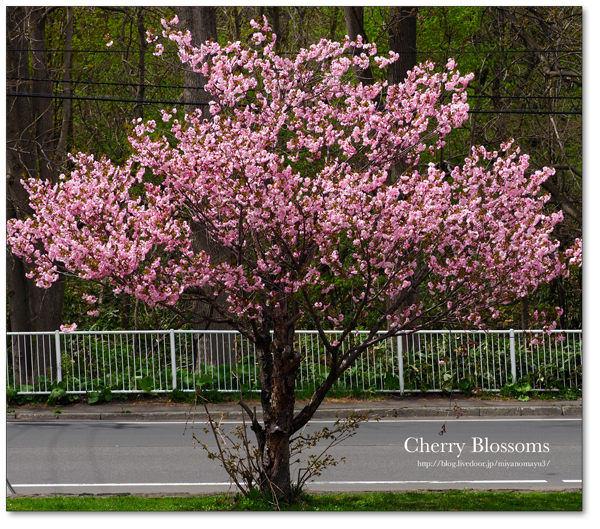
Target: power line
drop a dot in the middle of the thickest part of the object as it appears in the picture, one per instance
(525, 111)
(203, 103)
(61, 50)
(63, 81)
(107, 83)
(577, 98)
(463, 52)
(104, 99)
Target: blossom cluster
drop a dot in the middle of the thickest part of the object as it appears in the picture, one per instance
(574, 254)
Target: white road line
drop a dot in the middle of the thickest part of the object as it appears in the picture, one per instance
(462, 419)
(572, 480)
(117, 484)
(430, 481)
(315, 421)
(15, 485)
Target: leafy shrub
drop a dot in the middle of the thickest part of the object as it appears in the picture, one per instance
(59, 395)
(102, 395)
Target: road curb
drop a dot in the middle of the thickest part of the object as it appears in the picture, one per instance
(572, 410)
(474, 411)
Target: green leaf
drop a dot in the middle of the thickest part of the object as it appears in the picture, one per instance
(464, 385)
(57, 393)
(204, 381)
(146, 384)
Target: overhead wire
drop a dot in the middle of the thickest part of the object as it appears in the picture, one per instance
(203, 103)
(150, 85)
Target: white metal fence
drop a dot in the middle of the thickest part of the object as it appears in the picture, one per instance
(161, 361)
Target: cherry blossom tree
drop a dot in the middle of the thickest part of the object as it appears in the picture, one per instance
(290, 177)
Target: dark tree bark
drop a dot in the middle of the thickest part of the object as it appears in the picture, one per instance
(525, 313)
(276, 19)
(354, 18)
(140, 93)
(202, 24)
(67, 103)
(279, 364)
(31, 152)
(403, 40)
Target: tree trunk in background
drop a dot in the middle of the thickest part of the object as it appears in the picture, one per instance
(354, 17)
(67, 110)
(276, 27)
(525, 313)
(31, 152)
(212, 349)
(140, 93)
(202, 24)
(402, 39)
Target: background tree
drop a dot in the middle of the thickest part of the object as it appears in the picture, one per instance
(290, 177)
(35, 149)
(201, 22)
(512, 96)
(553, 38)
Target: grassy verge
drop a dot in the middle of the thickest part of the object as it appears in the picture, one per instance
(407, 501)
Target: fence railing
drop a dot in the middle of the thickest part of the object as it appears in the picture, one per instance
(161, 361)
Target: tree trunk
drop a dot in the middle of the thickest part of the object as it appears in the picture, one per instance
(140, 93)
(211, 348)
(278, 414)
(202, 24)
(61, 149)
(525, 313)
(402, 40)
(353, 17)
(275, 15)
(279, 368)
(31, 152)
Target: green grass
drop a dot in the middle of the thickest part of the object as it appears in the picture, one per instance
(379, 501)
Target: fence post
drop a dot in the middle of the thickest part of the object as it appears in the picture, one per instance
(58, 356)
(400, 363)
(173, 361)
(513, 360)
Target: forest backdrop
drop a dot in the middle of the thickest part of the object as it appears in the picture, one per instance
(77, 77)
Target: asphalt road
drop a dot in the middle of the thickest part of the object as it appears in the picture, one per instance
(393, 454)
